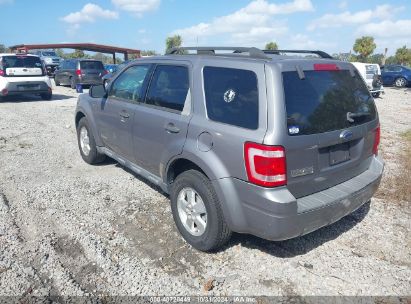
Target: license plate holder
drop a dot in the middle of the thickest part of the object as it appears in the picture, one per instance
(339, 154)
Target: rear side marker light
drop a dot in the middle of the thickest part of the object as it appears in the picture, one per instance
(325, 67)
(377, 137)
(265, 165)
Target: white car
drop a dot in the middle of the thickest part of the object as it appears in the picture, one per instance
(23, 74)
(371, 73)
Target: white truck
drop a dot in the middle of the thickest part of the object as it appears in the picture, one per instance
(371, 73)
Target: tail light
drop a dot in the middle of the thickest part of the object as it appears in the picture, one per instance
(105, 72)
(376, 140)
(265, 165)
(1, 73)
(78, 72)
(4, 92)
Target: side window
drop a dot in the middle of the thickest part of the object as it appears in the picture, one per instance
(231, 96)
(72, 65)
(169, 87)
(129, 84)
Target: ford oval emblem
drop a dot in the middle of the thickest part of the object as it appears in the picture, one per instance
(346, 135)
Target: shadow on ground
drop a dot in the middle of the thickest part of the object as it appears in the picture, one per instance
(303, 244)
(33, 98)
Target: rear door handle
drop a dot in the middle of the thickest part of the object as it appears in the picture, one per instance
(172, 128)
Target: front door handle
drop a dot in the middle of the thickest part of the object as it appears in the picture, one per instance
(172, 128)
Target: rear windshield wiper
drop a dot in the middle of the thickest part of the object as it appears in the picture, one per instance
(352, 116)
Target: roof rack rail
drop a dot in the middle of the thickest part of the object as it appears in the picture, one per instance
(205, 50)
(319, 53)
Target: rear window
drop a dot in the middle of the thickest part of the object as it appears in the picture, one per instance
(231, 96)
(21, 62)
(50, 54)
(320, 102)
(91, 65)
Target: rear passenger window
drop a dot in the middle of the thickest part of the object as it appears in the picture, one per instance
(169, 87)
(231, 96)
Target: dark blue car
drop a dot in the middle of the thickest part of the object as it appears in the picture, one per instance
(397, 75)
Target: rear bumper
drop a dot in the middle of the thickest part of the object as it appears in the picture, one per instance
(275, 214)
(19, 88)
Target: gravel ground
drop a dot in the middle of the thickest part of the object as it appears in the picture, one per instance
(68, 228)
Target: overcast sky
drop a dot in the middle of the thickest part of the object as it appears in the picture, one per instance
(144, 24)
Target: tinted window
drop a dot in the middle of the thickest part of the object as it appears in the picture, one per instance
(21, 62)
(49, 53)
(169, 87)
(91, 65)
(320, 102)
(129, 85)
(71, 65)
(231, 96)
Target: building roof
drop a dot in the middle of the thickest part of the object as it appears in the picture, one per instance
(79, 46)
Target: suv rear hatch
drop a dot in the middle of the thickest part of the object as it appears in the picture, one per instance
(21, 66)
(91, 71)
(331, 124)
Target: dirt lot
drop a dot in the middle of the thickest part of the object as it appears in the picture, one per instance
(68, 228)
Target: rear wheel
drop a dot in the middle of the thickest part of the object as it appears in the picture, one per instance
(197, 211)
(87, 144)
(46, 96)
(400, 82)
(72, 83)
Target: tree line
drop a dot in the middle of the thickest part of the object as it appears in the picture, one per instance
(363, 49)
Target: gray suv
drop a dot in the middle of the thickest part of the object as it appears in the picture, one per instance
(79, 71)
(241, 139)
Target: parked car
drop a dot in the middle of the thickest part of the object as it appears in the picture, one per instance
(79, 71)
(371, 73)
(397, 75)
(250, 142)
(50, 58)
(111, 68)
(111, 74)
(23, 74)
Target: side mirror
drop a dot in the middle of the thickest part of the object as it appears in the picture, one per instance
(97, 91)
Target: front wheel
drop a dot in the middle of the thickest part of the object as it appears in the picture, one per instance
(87, 144)
(376, 94)
(400, 82)
(197, 211)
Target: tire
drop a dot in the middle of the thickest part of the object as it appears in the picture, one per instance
(92, 157)
(56, 82)
(46, 96)
(400, 82)
(216, 232)
(376, 95)
(72, 83)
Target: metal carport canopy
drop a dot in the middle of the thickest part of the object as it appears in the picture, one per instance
(78, 46)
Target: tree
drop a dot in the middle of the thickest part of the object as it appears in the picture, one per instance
(403, 55)
(364, 46)
(376, 58)
(271, 46)
(148, 53)
(391, 60)
(173, 41)
(3, 49)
